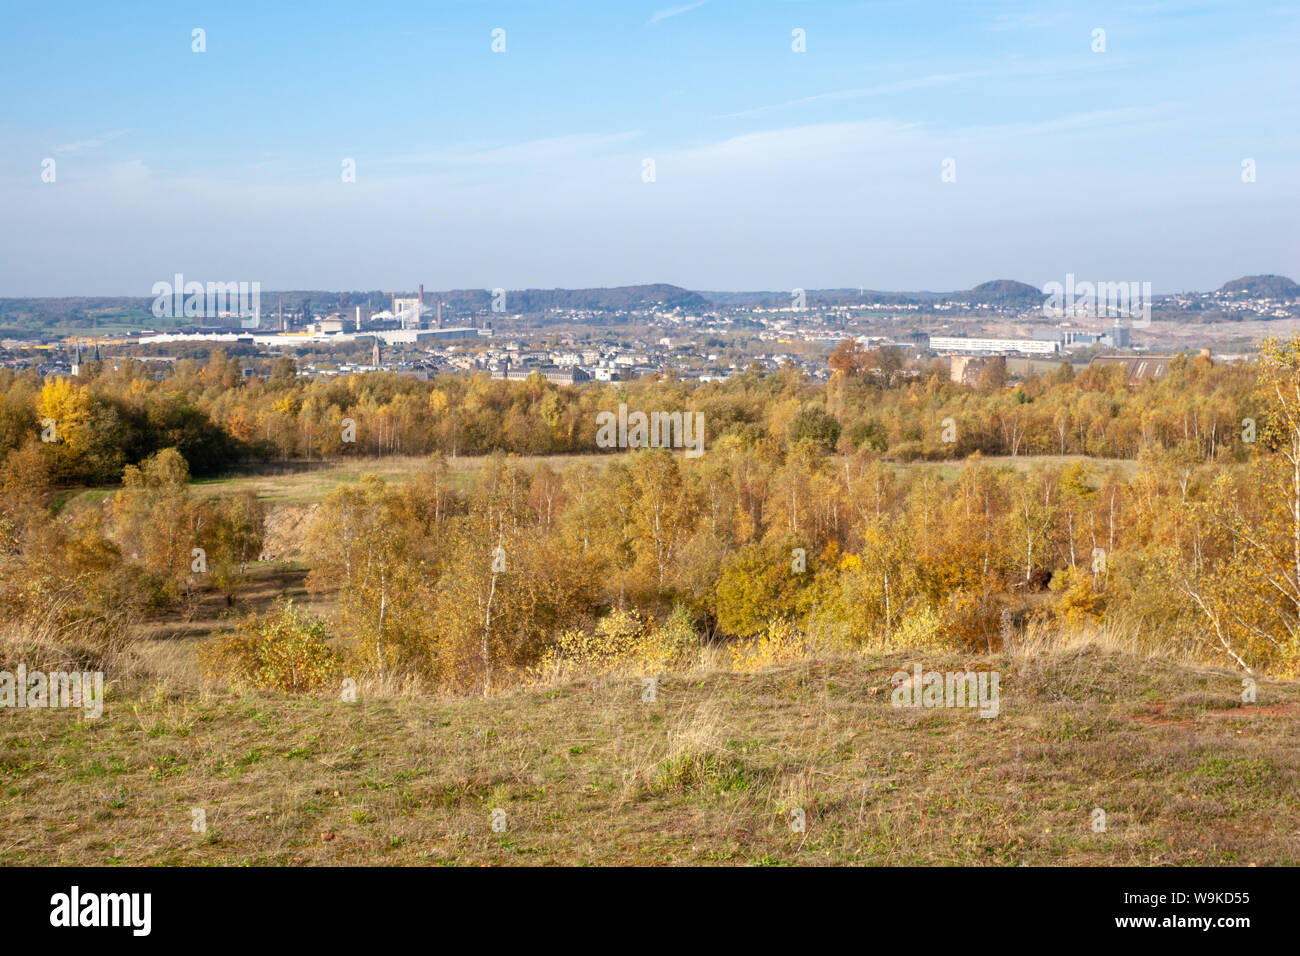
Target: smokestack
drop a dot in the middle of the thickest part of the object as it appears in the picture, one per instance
(440, 313)
(358, 318)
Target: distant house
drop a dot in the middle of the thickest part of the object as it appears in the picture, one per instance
(552, 373)
(1137, 368)
(966, 369)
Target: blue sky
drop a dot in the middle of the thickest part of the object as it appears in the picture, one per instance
(773, 169)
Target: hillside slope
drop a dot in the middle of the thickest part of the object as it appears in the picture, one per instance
(709, 772)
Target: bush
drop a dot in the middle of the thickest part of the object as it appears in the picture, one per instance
(974, 619)
(782, 643)
(920, 627)
(908, 451)
(756, 584)
(620, 642)
(1079, 601)
(284, 651)
(869, 433)
(813, 423)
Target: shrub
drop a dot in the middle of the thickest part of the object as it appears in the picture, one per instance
(1079, 601)
(908, 451)
(677, 636)
(753, 588)
(974, 619)
(869, 433)
(620, 641)
(813, 423)
(782, 643)
(920, 626)
(284, 650)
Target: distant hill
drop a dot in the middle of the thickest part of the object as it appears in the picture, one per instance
(619, 298)
(1003, 292)
(1262, 287)
(25, 317)
(812, 297)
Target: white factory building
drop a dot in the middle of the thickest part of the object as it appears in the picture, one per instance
(959, 343)
(291, 339)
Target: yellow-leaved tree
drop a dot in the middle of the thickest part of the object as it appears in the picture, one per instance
(1241, 565)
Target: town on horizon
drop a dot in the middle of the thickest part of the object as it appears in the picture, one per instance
(572, 336)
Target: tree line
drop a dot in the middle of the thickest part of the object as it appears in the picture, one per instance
(91, 426)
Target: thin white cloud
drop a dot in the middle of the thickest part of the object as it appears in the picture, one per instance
(777, 149)
(849, 143)
(672, 12)
(93, 143)
(1174, 6)
(902, 86)
(1029, 68)
(553, 148)
(1122, 116)
(1032, 20)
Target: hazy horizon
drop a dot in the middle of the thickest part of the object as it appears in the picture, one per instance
(430, 290)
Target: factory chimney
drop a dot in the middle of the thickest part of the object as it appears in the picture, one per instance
(358, 318)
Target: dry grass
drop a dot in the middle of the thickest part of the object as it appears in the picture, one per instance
(304, 482)
(63, 638)
(711, 771)
(950, 470)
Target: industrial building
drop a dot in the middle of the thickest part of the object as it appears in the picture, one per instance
(566, 375)
(1138, 368)
(956, 343)
(1044, 341)
(292, 339)
(1116, 337)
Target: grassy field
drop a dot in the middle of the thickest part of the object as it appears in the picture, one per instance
(308, 482)
(949, 470)
(311, 483)
(303, 483)
(710, 772)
